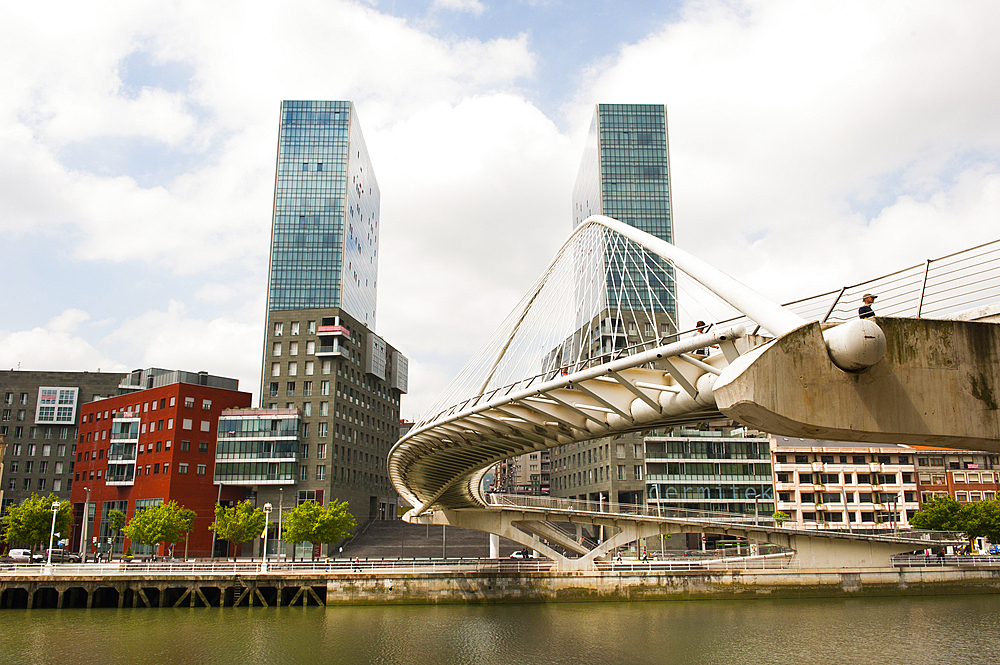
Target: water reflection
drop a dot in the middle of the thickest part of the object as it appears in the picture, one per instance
(892, 630)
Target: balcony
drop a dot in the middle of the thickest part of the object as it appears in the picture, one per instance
(330, 350)
(333, 330)
(257, 479)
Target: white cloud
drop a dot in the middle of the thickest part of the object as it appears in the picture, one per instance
(472, 6)
(55, 347)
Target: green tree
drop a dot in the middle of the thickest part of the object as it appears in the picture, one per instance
(239, 524)
(780, 517)
(155, 525)
(981, 520)
(30, 522)
(309, 522)
(187, 518)
(116, 520)
(941, 514)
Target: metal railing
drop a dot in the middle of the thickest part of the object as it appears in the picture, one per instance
(276, 567)
(935, 561)
(711, 518)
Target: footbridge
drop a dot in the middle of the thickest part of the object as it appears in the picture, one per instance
(596, 349)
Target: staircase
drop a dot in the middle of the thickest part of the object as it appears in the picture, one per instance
(395, 539)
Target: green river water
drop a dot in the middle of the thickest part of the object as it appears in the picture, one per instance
(934, 630)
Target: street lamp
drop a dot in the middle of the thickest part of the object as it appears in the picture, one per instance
(52, 535)
(281, 539)
(83, 538)
(267, 519)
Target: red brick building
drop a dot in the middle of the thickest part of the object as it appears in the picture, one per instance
(153, 444)
(968, 476)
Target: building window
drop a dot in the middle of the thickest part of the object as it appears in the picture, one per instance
(275, 369)
(311, 328)
(327, 366)
(324, 387)
(187, 423)
(206, 426)
(307, 388)
(303, 473)
(320, 472)
(304, 450)
(620, 452)
(185, 446)
(309, 365)
(293, 348)
(278, 328)
(201, 469)
(310, 348)
(621, 472)
(638, 472)
(290, 389)
(324, 408)
(202, 446)
(293, 369)
(321, 449)
(182, 467)
(322, 432)
(206, 404)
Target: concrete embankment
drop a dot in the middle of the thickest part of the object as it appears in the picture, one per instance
(151, 590)
(672, 585)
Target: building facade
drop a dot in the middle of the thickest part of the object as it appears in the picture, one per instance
(153, 444)
(967, 476)
(625, 174)
(321, 353)
(40, 416)
(838, 484)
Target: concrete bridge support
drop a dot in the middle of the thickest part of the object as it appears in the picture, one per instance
(819, 549)
(938, 384)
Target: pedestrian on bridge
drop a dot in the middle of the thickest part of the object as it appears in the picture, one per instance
(866, 311)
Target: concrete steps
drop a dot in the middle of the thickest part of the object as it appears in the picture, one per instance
(397, 539)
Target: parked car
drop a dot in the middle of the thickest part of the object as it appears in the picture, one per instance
(23, 556)
(994, 549)
(61, 556)
(520, 554)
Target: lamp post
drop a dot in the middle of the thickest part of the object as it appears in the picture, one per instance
(267, 516)
(52, 535)
(86, 517)
(281, 539)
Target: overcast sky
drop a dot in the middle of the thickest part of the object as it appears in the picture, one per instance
(812, 145)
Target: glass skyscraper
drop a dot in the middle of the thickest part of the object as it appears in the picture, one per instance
(322, 360)
(625, 174)
(324, 239)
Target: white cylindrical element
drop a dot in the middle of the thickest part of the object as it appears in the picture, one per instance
(494, 546)
(855, 345)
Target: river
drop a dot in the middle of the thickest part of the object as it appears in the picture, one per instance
(937, 630)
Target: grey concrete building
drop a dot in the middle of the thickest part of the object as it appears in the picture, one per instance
(39, 417)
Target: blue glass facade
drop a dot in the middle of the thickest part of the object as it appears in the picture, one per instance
(625, 174)
(324, 238)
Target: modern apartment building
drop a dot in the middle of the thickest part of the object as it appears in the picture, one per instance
(607, 469)
(837, 484)
(39, 417)
(321, 353)
(154, 443)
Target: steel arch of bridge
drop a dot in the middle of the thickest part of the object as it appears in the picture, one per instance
(440, 463)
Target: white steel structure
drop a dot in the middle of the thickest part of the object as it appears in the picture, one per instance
(578, 359)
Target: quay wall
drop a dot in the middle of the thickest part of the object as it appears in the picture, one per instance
(398, 588)
(665, 585)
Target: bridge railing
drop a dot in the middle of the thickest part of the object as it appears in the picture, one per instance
(709, 518)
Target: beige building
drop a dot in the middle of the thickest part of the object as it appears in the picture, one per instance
(840, 484)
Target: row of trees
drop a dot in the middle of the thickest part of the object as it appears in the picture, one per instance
(31, 520)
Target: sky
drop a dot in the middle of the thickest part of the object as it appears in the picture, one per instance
(812, 145)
